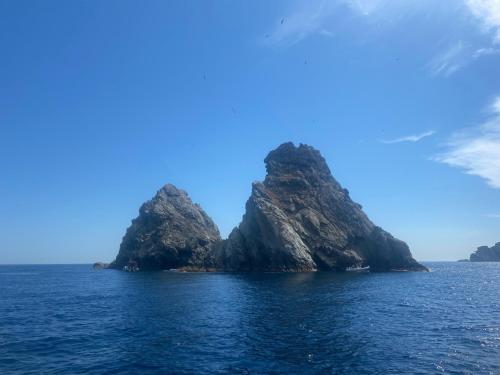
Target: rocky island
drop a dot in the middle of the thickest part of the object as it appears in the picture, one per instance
(486, 254)
(170, 232)
(298, 219)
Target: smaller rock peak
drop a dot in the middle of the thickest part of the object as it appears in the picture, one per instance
(169, 195)
(170, 190)
(288, 158)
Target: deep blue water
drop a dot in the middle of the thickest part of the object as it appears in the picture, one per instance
(72, 320)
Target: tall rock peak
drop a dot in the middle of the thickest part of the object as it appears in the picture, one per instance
(290, 159)
(301, 219)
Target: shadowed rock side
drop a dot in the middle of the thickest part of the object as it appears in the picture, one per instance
(486, 254)
(301, 219)
(170, 232)
(298, 219)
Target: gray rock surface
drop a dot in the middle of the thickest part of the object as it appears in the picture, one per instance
(170, 232)
(301, 219)
(298, 219)
(486, 254)
(100, 266)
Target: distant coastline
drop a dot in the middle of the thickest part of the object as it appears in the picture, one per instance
(485, 254)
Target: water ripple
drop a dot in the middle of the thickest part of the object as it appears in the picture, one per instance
(71, 319)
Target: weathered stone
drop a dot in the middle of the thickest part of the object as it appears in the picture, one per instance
(100, 266)
(301, 219)
(170, 232)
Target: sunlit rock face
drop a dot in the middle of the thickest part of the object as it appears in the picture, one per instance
(301, 219)
(170, 232)
(298, 219)
(486, 254)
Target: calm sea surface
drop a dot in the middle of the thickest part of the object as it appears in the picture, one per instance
(74, 320)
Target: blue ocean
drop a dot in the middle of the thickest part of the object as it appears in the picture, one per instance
(76, 320)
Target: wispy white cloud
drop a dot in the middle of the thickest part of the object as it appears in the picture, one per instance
(459, 55)
(485, 52)
(410, 138)
(477, 151)
(495, 107)
(488, 12)
(315, 17)
(456, 57)
(303, 20)
(366, 7)
(449, 61)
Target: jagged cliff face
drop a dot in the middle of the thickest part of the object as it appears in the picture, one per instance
(301, 219)
(486, 254)
(298, 219)
(170, 232)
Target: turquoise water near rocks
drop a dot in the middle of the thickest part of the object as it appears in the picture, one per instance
(74, 320)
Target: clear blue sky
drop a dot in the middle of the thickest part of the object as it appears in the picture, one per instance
(103, 102)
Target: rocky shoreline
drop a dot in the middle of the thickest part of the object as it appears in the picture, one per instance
(298, 219)
(486, 254)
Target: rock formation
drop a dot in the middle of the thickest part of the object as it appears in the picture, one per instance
(170, 232)
(301, 219)
(100, 266)
(298, 219)
(486, 254)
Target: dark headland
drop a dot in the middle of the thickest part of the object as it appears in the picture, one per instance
(486, 254)
(298, 219)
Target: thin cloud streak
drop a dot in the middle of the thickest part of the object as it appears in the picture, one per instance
(459, 55)
(313, 17)
(456, 57)
(477, 151)
(449, 62)
(304, 20)
(308, 17)
(485, 52)
(410, 138)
